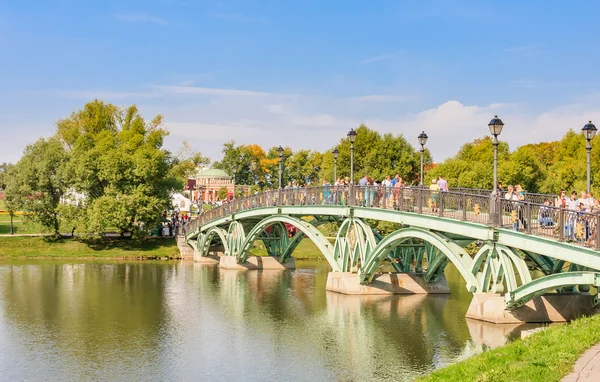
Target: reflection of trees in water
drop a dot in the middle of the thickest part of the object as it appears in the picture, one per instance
(89, 310)
(399, 336)
(358, 337)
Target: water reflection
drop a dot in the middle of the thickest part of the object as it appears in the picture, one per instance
(185, 321)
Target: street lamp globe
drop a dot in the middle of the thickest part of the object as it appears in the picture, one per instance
(589, 131)
(335, 153)
(234, 168)
(422, 138)
(280, 151)
(496, 126)
(352, 135)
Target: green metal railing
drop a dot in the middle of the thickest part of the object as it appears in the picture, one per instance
(530, 216)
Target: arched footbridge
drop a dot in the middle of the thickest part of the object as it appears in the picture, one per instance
(521, 249)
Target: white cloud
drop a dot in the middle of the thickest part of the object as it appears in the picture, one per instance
(140, 18)
(208, 117)
(381, 57)
(525, 50)
(303, 123)
(99, 94)
(381, 98)
(190, 90)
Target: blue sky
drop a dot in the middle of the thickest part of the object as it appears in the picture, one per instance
(302, 73)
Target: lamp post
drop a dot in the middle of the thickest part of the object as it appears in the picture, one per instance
(280, 152)
(495, 126)
(352, 137)
(589, 131)
(234, 168)
(422, 140)
(335, 153)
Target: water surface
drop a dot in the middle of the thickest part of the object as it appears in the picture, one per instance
(182, 321)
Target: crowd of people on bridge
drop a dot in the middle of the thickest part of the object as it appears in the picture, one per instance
(579, 211)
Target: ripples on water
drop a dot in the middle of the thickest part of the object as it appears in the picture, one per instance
(191, 322)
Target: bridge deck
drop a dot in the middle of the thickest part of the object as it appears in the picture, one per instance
(474, 206)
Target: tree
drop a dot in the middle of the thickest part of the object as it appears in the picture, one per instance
(118, 164)
(4, 168)
(472, 166)
(376, 156)
(39, 181)
(271, 166)
(251, 161)
(523, 167)
(303, 166)
(222, 193)
(12, 196)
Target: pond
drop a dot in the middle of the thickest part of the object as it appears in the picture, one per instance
(181, 321)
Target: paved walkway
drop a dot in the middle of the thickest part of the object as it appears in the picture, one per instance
(587, 368)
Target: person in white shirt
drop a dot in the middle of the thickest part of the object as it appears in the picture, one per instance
(387, 182)
(583, 199)
(512, 196)
(572, 204)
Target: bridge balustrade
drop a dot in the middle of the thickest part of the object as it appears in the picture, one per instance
(530, 216)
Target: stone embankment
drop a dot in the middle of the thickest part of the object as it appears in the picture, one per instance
(187, 252)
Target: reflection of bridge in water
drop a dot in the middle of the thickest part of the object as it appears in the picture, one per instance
(433, 230)
(423, 332)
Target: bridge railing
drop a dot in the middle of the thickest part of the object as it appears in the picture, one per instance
(477, 206)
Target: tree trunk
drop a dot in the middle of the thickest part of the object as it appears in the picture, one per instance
(56, 227)
(11, 224)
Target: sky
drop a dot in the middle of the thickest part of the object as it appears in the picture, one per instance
(302, 73)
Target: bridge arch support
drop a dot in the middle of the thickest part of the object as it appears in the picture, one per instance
(205, 240)
(306, 228)
(452, 251)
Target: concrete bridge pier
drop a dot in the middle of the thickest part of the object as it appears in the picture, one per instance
(210, 259)
(386, 283)
(185, 251)
(550, 307)
(256, 263)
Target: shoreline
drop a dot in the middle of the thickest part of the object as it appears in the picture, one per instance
(545, 356)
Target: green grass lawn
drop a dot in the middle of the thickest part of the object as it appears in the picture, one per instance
(20, 225)
(306, 250)
(544, 357)
(41, 247)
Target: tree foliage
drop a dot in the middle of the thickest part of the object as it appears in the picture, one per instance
(104, 167)
(375, 155)
(4, 169)
(40, 180)
(222, 193)
(543, 167)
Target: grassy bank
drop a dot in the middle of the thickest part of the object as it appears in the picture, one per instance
(41, 247)
(20, 225)
(306, 250)
(545, 356)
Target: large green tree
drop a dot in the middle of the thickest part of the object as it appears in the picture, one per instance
(117, 162)
(377, 156)
(13, 197)
(4, 168)
(251, 162)
(472, 166)
(39, 181)
(104, 167)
